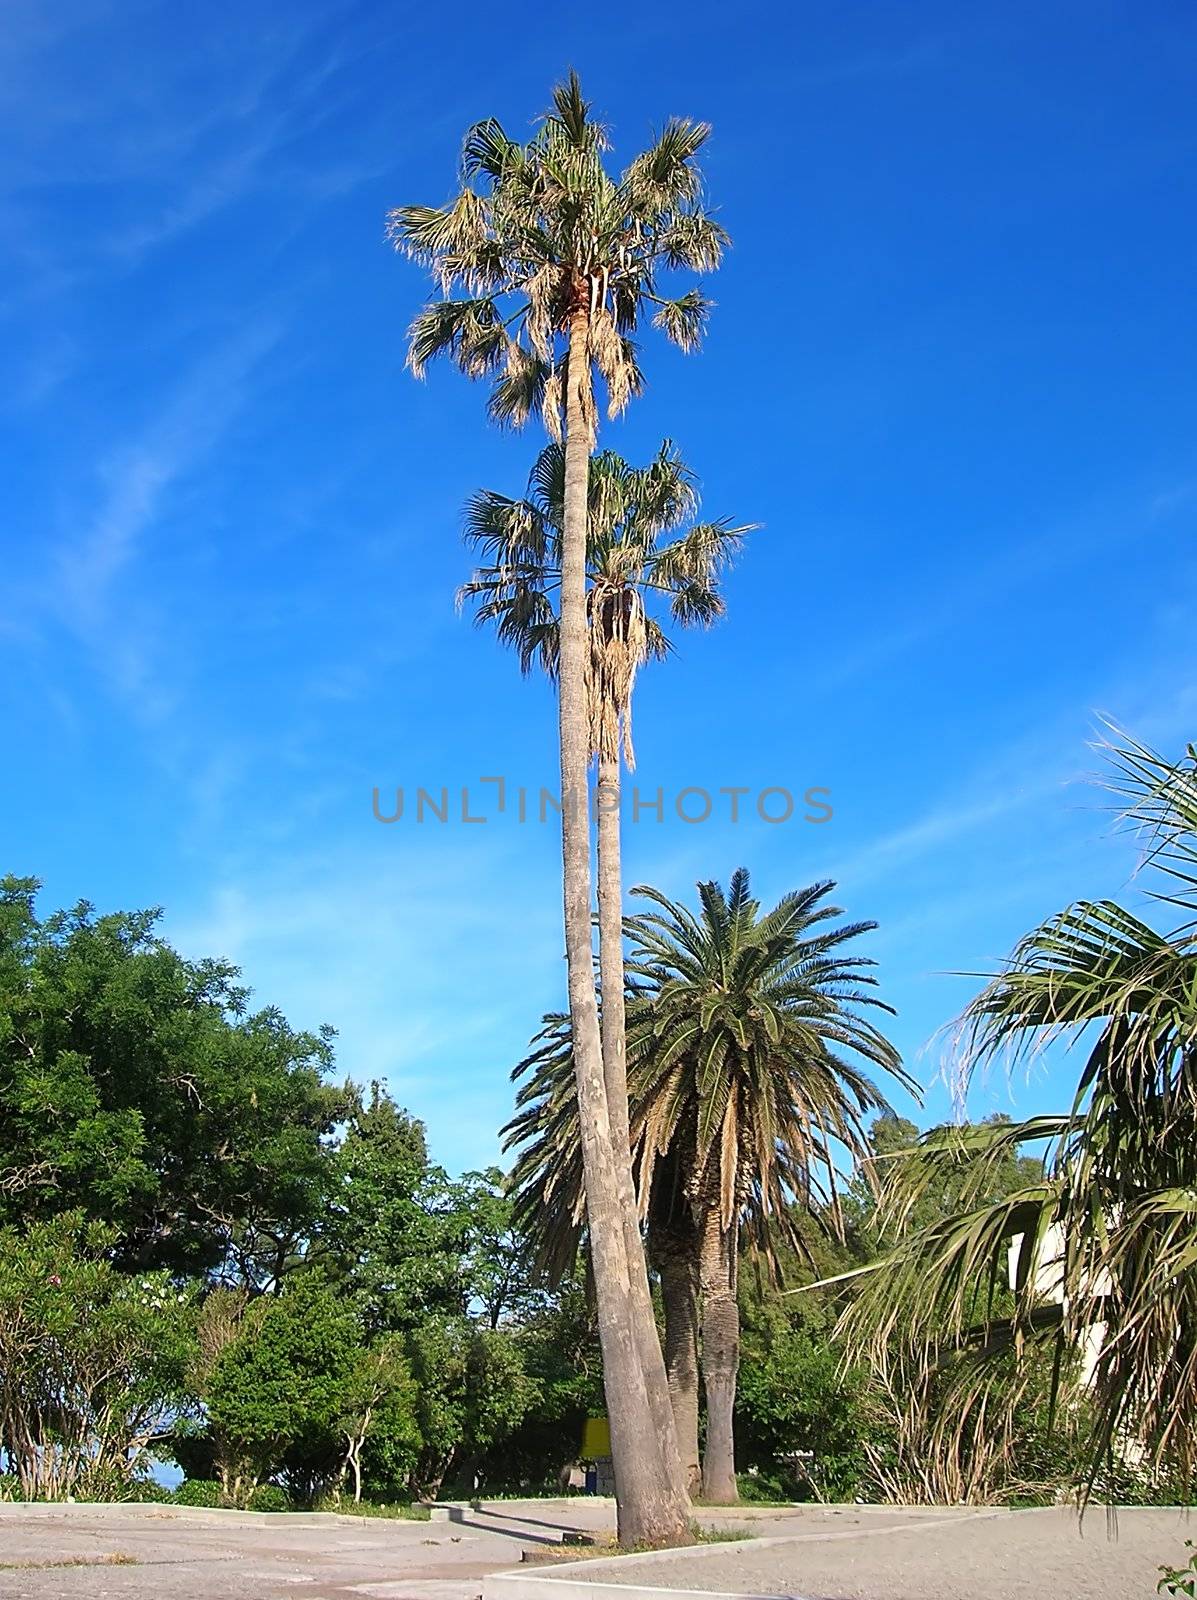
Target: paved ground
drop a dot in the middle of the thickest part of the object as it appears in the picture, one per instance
(821, 1553)
(939, 1555)
(228, 1555)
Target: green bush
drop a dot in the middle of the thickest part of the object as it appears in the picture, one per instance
(765, 1488)
(796, 1397)
(269, 1497)
(10, 1486)
(199, 1492)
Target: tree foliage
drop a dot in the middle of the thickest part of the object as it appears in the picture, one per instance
(93, 1361)
(138, 1086)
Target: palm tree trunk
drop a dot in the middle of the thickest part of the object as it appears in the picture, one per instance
(649, 1512)
(615, 1079)
(673, 1257)
(720, 1352)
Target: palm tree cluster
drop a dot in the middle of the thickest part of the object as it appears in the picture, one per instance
(1101, 1245)
(721, 1084)
(748, 1040)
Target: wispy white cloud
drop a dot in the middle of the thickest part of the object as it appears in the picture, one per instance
(161, 153)
(137, 478)
(981, 586)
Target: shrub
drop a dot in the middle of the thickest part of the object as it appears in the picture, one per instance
(765, 1488)
(199, 1492)
(798, 1398)
(269, 1497)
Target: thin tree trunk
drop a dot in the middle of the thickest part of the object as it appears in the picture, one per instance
(615, 1078)
(720, 1353)
(674, 1259)
(649, 1511)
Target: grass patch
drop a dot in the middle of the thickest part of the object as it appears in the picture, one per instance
(118, 1558)
(399, 1512)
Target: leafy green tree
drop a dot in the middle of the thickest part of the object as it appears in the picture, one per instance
(92, 1360)
(1099, 1241)
(378, 1411)
(499, 1272)
(136, 1085)
(558, 261)
(390, 1454)
(397, 1229)
(472, 1393)
(559, 1346)
(279, 1389)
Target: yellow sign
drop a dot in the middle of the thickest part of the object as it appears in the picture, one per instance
(596, 1438)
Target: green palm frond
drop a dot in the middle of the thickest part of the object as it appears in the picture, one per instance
(1099, 1256)
(754, 1086)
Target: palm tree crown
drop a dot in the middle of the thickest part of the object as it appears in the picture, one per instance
(540, 230)
(637, 553)
(745, 1040)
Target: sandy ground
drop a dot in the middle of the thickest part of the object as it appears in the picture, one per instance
(819, 1553)
(999, 1555)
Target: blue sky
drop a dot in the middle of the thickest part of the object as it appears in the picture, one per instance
(950, 372)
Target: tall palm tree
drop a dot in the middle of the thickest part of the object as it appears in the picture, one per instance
(558, 262)
(643, 563)
(745, 1030)
(1101, 1244)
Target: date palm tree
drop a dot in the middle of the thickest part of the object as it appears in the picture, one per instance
(746, 1039)
(558, 262)
(1100, 1246)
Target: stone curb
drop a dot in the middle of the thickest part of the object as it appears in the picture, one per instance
(155, 1510)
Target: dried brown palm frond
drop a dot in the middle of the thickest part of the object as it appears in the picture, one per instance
(644, 554)
(618, 648)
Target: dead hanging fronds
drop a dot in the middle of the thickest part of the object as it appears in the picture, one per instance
(643, 553)
(618, 648)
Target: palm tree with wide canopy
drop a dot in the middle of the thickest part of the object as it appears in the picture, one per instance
(1102, 1245)
(557, 262)
(749, 1042)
